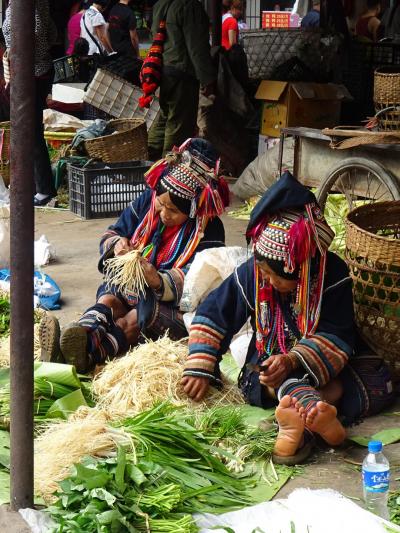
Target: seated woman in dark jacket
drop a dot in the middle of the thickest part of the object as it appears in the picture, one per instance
(298, 297)
(171, 221)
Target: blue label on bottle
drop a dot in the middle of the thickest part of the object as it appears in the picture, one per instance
(376, 481)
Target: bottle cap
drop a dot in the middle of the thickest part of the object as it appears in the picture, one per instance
(374, 446)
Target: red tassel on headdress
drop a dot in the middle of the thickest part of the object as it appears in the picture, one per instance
(210, 203)
(301, 244)
(223, 191)
(154, 173)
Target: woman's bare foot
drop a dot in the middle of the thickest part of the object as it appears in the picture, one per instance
(291, 427)
(300, 409)
(322, 419)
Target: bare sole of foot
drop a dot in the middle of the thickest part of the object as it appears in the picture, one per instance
(322, 419)
(291, 427)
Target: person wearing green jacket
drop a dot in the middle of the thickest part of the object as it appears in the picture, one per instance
(187, 65)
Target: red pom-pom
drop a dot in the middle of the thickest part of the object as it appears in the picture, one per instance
(301, 244)
(145, 101)
(149, 88)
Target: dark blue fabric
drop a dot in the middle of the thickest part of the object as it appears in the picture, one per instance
(311, 20)
(286, 193)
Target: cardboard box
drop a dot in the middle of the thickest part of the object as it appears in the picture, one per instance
(295, 104)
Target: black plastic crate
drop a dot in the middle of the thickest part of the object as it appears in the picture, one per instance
(101, 190)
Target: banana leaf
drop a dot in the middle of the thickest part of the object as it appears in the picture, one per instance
(63, 407)
(58, 373)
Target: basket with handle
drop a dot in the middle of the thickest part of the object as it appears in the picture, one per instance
(127, 143)
(373, 256)
(5, 151)
(387, 97)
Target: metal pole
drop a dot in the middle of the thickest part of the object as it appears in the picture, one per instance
(21, 241)
(216, 22)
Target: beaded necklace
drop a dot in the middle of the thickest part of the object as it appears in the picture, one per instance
(270, 324)
(147, 228)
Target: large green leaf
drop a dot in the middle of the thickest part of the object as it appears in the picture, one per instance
(58, 373)
(4, 377)
(252, 415)
(267, 484)
(4, 487)
(386, 436)
(230, 368)
(63, 407)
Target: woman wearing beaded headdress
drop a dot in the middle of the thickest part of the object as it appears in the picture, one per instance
(173, 219)
(298, 297)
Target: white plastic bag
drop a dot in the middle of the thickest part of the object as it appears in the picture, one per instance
(4, 236)
(208, 270)
(304, 511)
(44, 251)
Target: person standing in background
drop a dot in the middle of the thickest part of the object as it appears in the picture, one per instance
(368, 23)
(94, 29)
(74, 26)
(45, 37)
(230, 26)
(312, 19)
(122, 29)
(187, 65)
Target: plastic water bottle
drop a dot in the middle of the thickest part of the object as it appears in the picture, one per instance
(376, 475)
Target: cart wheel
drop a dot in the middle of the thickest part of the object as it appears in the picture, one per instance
(353, 182)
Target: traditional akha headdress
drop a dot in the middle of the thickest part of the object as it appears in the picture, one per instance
(289, 232)
(190, 173)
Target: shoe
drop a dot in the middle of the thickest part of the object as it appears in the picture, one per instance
(49, 339)
(73, 344)
(43, 202)
(301, 454)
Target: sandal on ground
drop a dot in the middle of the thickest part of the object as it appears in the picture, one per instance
(73, 345)
(49, 340)
(300, 456)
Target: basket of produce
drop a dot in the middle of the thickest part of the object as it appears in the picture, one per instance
(127, 143)
(5, 151)
(387, 97)
(373, 255)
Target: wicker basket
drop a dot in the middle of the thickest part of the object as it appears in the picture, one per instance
(5, 152)
(386, 95)
(373, 255)
(128, 144)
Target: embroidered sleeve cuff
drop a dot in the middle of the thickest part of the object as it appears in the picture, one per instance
(200, 373)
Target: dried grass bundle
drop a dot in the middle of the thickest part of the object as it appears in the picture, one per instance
(63, 443)
(5, 347)
(150, 373)
(126, 272)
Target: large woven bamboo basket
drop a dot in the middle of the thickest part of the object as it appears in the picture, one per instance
(5, 131)
(386, 96)
(373, 255)
(128, 143)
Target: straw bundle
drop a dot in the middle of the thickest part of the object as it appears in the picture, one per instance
(5, 347)
(151, 373)
(126, 272)
(63, 443)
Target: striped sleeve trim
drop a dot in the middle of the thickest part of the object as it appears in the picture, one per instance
(323, 356)
(109, 240)
(196, 373)
(204, 343)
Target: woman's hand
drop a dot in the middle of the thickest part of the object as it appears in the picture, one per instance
(278, 371)
(151, 275)
(195, 387)
(123, 246)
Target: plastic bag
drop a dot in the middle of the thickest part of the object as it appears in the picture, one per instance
(304, 511)
(207, 272)
(261, 173)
